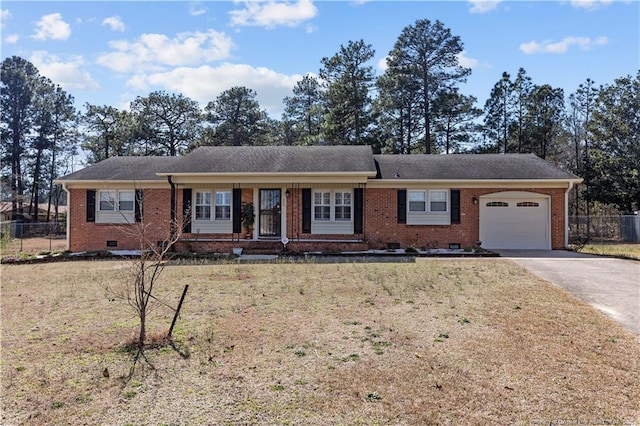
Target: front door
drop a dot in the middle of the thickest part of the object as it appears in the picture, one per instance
(269, 213)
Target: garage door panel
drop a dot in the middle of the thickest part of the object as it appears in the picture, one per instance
(514, 223)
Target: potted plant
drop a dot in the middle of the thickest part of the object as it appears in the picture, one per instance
(248, 217)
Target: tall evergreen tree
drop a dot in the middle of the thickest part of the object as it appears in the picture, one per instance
(64, 138)
(456, 115)
(107, 132)
(615, 156)
(348, 80)
(581, 106)
(398, 110)
(428, 53)
(303, 112)
(171, 121)
(521, 90)
(19, 78)
(545, 119)
(498, 110)
(236, 119)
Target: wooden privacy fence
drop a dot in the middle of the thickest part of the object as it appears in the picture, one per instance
(622, 229)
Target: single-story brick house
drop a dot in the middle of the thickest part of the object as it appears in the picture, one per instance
(320, 198)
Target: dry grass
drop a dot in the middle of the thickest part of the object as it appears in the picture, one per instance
(626, 251)
(27, 246)
(432, 342)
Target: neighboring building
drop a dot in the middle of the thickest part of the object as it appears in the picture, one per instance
(6, 212)
(320, 198)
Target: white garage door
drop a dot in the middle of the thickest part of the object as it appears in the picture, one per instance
(517, 220)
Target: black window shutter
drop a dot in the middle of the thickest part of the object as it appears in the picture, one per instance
(138, 205)
(402, 206)
(186, 210)
(306, 210)
(237, 210)
(358, 201)
(455, 206)
(91, 205)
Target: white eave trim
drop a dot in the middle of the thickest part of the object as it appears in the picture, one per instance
(113, 183)
(473, 183)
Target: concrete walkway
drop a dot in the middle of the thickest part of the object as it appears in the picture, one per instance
(610, 285)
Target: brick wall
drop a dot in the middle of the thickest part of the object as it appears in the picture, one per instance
(380, 224)
(382, 227)
(94, 236)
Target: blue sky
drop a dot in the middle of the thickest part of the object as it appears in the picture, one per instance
(107, 53)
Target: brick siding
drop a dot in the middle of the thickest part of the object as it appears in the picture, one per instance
(94, 236)
(380, 225)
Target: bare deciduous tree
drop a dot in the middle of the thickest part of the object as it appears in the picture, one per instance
(138, 290)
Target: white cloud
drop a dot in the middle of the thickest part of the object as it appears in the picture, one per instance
(562, 46)
(382, 64)
(205, 83)
(11, 39)
(196, 9)
(271, 14)
(69, 74)
(4, 15)
(52, 27)
(590, 4)
(483, 6)
(463, 61)
(466, 61)
(115, 23)
(152, 52)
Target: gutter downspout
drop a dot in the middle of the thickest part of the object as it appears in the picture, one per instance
(566, 215)
(174, 228)
(68, 226)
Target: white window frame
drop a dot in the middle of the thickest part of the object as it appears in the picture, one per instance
(333, 200)
(417, 199)
(428, 198)
(339, 204)
(202, 204)
(224, 205)
(111, 200)
(132, 200)
(107, 196)
(324, 205)
(432, 196)
(212, 205)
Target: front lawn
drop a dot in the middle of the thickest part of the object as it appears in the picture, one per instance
(470, 341)
(625, 251)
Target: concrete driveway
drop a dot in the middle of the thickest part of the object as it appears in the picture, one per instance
(610, 285)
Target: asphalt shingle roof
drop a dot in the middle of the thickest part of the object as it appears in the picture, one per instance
(324, 159)
(275, 159)
(467, 167)
(123, 169)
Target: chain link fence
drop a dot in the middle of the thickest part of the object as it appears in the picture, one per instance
(604, 229)
(32, 236)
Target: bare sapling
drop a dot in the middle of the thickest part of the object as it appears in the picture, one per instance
(145, 270)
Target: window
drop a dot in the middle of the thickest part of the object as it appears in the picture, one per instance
(107, 200)
(126, 200)
(322, 206)
(438, 201)
(497, 204)
(223, 205)
(528, 204)
(332, 206)
(203, 206)
(417, 201)
(343, 205)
